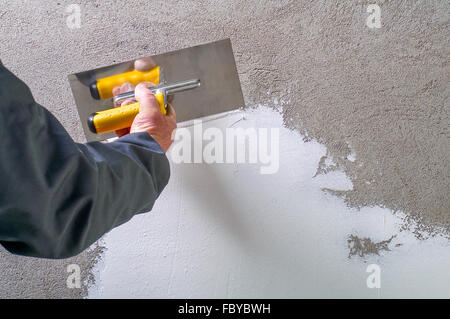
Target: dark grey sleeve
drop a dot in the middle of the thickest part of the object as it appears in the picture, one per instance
(57, 197)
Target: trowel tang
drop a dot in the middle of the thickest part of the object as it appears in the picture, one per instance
(167, 89)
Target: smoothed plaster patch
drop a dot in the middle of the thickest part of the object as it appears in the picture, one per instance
(226, 231)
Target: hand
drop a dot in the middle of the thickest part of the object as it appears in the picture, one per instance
(149, 119)
(142, 65)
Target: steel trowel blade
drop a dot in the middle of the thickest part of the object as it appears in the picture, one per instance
(212, 63)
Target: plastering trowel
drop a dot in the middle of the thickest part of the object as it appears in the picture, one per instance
(203, 78)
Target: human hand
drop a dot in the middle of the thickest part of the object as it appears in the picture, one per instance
(151, 120)
(159, 126)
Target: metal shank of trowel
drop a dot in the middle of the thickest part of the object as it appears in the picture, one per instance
(166, 89)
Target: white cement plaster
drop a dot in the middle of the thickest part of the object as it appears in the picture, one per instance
(225, 230)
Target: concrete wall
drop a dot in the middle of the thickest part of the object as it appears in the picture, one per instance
(373, 102)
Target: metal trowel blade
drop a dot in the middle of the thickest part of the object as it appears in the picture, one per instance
(212, 63)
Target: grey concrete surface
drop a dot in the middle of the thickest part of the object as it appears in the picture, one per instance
(380, 93)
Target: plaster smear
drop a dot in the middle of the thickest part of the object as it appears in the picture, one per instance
(227, 231)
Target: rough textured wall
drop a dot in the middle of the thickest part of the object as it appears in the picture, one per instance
(381, 94)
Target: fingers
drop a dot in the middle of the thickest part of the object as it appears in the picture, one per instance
(116, 90)
(148, 105)
(126, 87)
(171, 112)
(126, 102)
(144, 64)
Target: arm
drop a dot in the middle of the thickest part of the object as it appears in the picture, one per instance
(57, 197)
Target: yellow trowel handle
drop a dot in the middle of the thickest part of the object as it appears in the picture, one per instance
(119, 117)
(102, 88)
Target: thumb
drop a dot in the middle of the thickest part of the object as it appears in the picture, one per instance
(144, 64)
(148, 105)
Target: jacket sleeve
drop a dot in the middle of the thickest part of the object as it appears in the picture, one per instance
(57, 197)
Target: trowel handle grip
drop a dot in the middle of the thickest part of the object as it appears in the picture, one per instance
(102, 88)
(119, 117)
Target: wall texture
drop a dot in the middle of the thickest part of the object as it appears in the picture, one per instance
(379, 93)
(228, 231)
